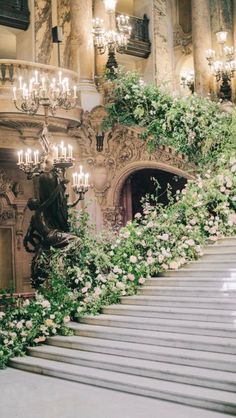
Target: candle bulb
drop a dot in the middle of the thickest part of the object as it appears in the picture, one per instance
(20, 81)
(70, 155)
(55, 149)
(59, 74)
(29, 155)
(75, 92)
(86, 180)
(36, 157)
(36, 77)
(61, 147)
(20, 157)
(43, 83)
(81, 169)
(14, 93)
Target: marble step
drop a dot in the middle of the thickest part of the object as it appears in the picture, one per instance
(196, 358)
(170, 339)
(181, 301)
(217, 282)
(199, 264)
(204, 377)
(158, 324)
(209, 292)
(189, 314)
(214, 399)
(203, 272)
(226, 240)
(230, 256)
(220, 249)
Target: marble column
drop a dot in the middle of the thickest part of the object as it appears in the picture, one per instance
(201, 33)
(82, 50)
(100, 60)
(163, 43)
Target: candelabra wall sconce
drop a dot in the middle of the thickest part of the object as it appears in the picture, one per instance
(187, 80)
(113, 39)
(223, 65)
(49, 226)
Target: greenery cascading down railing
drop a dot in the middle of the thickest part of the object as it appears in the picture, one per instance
(96, 271)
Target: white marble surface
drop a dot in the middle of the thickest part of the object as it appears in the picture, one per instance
(25, 395)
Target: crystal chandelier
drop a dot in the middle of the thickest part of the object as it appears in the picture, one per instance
(40, 91)
(113, 39)
(51, 95)
(222, 66)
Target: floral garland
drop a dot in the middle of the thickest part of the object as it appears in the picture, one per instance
(86, 278)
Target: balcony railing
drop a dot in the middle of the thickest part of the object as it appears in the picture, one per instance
(139, 44)
(15, 13)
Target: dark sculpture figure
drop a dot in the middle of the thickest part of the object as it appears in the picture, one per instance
(49, 225)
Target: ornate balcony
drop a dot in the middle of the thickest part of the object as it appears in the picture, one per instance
(139, 44)
(10, 71)
(15, 13)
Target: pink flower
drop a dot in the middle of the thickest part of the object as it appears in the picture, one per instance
(131, 277)
(29, 324)
(84, 290)
(173, 265)
(150, 260)
(141, 280)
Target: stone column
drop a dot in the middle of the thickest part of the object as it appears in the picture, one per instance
(82, 50)
(100, 60)
(201, 34)
(163, 43)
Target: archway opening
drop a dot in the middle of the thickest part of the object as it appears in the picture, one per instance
(147, 182)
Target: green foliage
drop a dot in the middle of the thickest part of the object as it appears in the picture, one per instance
(192, 125)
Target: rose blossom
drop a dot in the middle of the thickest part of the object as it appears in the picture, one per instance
(141, 280)
(131, 277)
(133, 259)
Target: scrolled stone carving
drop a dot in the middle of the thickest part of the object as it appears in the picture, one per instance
(5, 183)
(113, 217)
(182, 40)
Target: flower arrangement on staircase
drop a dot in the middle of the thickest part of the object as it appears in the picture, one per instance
(85, 278)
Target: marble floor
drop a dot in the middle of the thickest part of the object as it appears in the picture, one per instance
(26, 395)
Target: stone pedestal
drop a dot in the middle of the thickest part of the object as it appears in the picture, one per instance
(201, 33)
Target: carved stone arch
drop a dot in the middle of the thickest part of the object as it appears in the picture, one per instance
(118, 182)
(113, 214)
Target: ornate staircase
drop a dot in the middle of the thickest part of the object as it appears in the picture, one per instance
(175, 340)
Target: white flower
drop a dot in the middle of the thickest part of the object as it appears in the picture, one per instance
(165, 237)
(138, 215)
(29, 324)
(173, 265)
(120, 285)
(190, 242)
(133, 259)
(66, 319)
(2, 314)
(126, 234)
(98, 291)
(45, 304)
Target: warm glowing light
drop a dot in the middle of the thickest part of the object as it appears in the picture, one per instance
(221, 36)
(110, 5)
